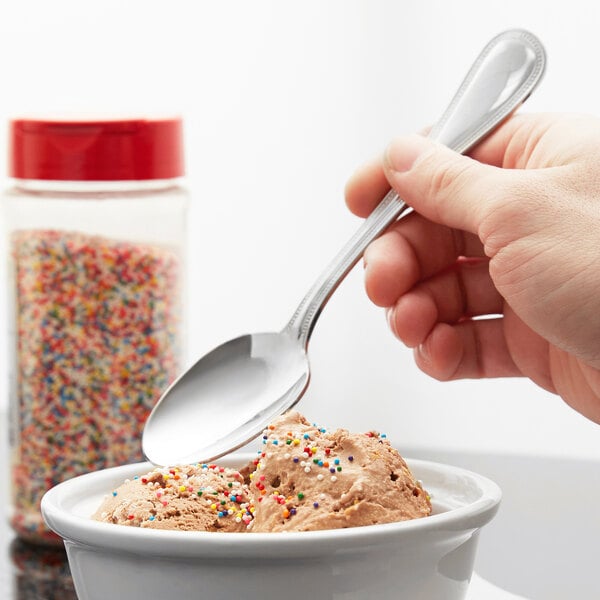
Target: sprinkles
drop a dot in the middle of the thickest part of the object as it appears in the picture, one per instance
(317, 460)
(320, 458)
(294, 489)
(97, 330)
(183, 488)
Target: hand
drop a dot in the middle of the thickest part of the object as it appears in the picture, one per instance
(496, 273)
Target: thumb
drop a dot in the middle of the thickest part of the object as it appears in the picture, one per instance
(440, 184)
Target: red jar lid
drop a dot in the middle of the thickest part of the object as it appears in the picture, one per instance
(96, 150)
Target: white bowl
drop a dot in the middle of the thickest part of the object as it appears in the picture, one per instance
(427, 558)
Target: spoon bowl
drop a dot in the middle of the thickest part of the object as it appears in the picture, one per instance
(231, 392)
(227, 397)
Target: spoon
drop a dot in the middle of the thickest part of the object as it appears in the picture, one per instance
(231, 394)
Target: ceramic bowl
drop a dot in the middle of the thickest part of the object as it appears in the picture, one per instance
(427, 558)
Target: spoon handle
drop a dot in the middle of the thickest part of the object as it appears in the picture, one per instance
(501, 78)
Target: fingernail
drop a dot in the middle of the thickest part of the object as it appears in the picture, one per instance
(389, 315)
(422, 352)
(402, 152)
(366, 257)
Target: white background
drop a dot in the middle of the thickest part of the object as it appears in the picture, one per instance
(282, 101)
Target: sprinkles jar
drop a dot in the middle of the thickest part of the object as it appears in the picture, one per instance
(96, 235)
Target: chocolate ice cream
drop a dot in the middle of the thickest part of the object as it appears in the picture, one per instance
(305, 478)
(190, 498)
(309, 478)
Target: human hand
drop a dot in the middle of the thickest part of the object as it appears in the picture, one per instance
(497, 272)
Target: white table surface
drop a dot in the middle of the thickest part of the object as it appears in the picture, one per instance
(480, 589)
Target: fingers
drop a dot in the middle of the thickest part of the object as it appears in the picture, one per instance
(467, 350)
(366, 188)
(450, 297)
(444, 186)
(497, 347)
(515, 144)
(510, 146)
(440, 184)
(411, 250)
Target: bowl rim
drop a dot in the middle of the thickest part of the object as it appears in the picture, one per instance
(74, 528)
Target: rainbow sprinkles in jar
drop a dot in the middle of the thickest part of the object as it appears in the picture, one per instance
(96, 231)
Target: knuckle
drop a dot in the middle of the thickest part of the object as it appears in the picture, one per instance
(449, 180)
(443, 179)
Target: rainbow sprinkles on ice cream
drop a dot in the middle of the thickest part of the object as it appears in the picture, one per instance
(304, 478)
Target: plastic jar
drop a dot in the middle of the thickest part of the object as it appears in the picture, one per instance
(95, 237)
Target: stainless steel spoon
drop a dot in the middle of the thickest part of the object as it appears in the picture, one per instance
(228, 396)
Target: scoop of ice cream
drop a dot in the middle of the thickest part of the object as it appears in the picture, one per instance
(190, 498)
(308, 478)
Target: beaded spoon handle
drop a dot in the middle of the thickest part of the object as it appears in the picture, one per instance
(259, 376)
(500, 80)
